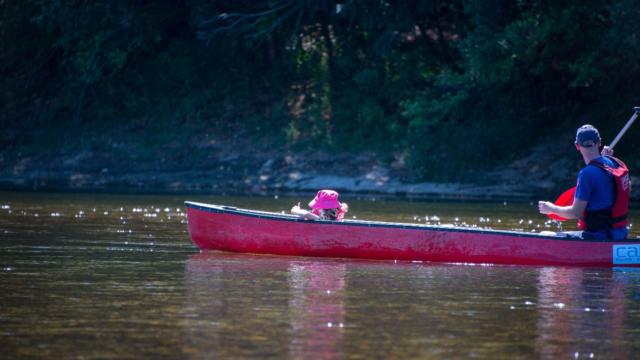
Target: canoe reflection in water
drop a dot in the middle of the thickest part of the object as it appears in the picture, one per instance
(271, 305)
(317, 309)
(243, 306)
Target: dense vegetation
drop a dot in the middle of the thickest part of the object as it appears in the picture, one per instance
(441, 85)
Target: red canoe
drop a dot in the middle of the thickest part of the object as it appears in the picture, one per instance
(214, 227)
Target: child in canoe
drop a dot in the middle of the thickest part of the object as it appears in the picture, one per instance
(325, 206)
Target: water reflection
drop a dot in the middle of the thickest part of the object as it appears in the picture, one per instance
(247, 305)
(317, 309)
(254, 305)
(238, 305)
(583, 312)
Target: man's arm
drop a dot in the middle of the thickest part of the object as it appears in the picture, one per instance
(573, 211)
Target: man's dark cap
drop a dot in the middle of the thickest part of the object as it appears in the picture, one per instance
(587, 136)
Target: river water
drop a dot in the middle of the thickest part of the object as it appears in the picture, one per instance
(116, 276)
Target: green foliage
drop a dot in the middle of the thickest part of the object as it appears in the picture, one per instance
(526, 66)
(457, 86)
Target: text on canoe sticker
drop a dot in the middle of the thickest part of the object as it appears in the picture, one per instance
(626, 254)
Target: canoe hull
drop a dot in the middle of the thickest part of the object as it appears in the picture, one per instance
(214, 227)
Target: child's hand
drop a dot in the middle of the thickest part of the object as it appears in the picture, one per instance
(296, 209)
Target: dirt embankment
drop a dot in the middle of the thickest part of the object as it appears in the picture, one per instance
(236, 165)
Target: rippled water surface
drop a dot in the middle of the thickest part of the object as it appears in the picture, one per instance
(116, 276)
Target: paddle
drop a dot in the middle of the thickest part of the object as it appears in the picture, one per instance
(566, 198)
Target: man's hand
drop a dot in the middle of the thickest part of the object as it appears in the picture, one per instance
(573, 211)
(545, 207)
(606, 151)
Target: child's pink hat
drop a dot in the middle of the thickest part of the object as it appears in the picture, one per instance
(325, 199)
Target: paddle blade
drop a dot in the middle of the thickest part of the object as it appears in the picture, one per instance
(565, 199)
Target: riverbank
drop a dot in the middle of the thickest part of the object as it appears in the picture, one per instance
(201, 162)
(241, 164)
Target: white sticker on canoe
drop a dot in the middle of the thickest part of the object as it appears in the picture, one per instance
(626, 254)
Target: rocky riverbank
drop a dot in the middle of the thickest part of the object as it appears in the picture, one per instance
(220, 165)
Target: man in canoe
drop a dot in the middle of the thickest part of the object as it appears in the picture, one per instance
(601, 201)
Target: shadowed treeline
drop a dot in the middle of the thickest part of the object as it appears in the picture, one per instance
(443, 88)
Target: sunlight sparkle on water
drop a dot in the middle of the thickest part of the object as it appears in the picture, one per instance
(577, 355)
